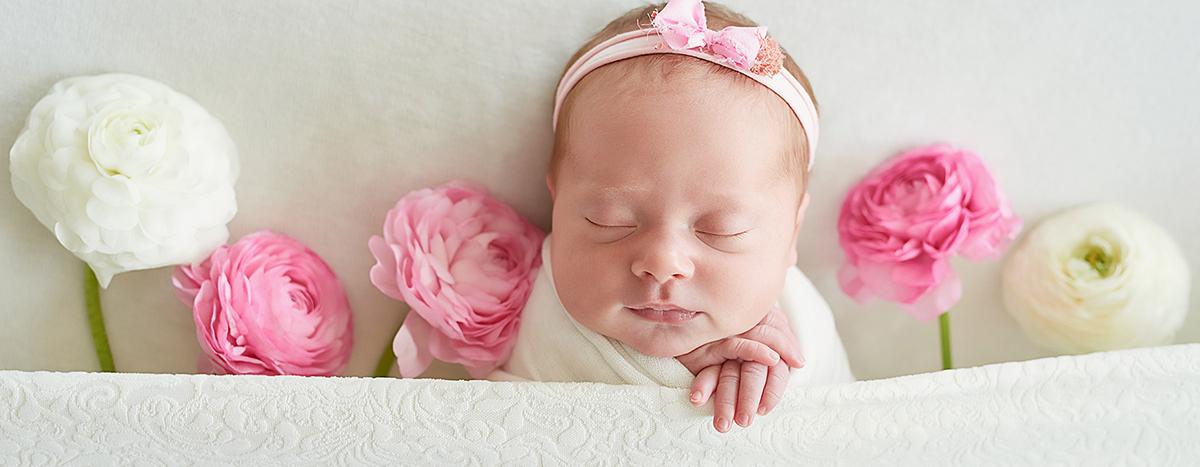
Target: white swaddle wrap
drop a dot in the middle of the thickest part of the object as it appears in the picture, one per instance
(552, 346)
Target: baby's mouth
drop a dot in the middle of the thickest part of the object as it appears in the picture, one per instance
(663, 313)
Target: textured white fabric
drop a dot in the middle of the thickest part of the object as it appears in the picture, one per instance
(551, 346)
(1135, 407)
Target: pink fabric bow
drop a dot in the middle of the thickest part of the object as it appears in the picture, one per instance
(682, 25)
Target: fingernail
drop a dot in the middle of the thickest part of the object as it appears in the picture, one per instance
(696, 397)
(743, 420)
(762, 410)
(722, 425)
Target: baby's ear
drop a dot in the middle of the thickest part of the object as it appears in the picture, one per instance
(792, 255)
(550, 186)
(800, 212)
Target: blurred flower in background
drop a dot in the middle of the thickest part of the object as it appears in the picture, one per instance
(1097, 277)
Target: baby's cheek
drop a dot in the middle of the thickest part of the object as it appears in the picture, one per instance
(750, 310)
(741, 302)
(749, 318)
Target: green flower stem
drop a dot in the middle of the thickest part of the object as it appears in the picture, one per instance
(944, 325)
(91, 293)
(388, 358)
(386, 361)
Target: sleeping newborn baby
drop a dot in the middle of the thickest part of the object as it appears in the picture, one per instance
(679, 179)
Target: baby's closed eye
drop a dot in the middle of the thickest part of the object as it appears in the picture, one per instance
(733, 235)
(727, 240)
(609, 224)
(718, 234)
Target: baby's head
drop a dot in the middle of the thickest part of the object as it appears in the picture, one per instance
(677, 183)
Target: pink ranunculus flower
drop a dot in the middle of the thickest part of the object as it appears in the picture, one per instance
(902, 223)
(464, 262)
(268, 305)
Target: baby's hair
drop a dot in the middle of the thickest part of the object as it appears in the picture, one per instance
(718, 17)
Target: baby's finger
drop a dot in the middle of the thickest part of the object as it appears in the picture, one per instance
(740, 348)
(779, 320)
(774, 317)
(704, 385)
(777, 381)
(779, 341)
(750, 391)
(725, 398)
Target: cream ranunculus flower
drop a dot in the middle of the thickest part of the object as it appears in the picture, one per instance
(1097, 277)
(127, 173)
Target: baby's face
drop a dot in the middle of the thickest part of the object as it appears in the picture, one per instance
(674, 222)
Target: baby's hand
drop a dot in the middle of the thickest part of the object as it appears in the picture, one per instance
(744, 371)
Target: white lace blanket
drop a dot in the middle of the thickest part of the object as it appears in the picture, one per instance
(1128, 407)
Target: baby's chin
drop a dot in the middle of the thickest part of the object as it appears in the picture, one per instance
(648, 338)
(667, 346)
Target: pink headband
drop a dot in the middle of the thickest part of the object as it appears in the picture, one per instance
(681, 25)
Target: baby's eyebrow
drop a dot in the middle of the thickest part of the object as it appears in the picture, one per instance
(609, 193)
(725, 203)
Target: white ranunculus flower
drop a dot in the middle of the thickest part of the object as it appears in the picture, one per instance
(1097, 277)
(127, 173)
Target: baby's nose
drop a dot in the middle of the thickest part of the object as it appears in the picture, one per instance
(663, 264)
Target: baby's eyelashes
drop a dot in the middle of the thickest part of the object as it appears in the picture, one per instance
(609, 226)
(729, 243)
(724, 235)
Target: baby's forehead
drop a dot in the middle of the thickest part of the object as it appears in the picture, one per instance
(650, 152)
(630, 119)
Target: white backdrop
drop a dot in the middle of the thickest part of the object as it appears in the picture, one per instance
(338, 109)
